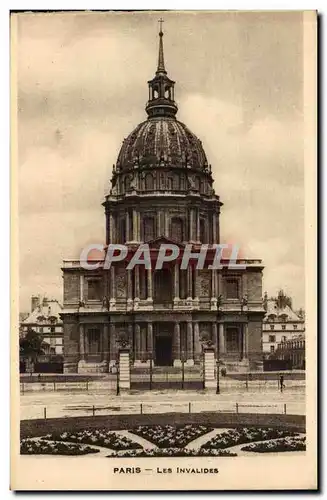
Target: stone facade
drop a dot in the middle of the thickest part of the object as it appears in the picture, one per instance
(162, 192)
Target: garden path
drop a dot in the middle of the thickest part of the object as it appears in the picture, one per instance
(103, 452)
(199, 441)
(137, 439)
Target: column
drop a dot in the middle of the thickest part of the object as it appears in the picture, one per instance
(177, 345)
(245, 340)
(214, 336)
(191, 224)
(149, 278)
(86, 340)
(197, 212)
(176, 283)
(138, 226)
(159, 224)
(150, 338)
(222, 348)
(128, 238)
(197, 347)
(129, 290)
(111, 229)
(137, 356)
(105, 350)
(81, 288)
(136, 287)
(112, 299)
(213, 300)
(189, 283)
(130, 329)
(189, 343)
(166, 225)
(81, 342)
(196, 281)
(135, 225)
(214, 227)
(112, 343)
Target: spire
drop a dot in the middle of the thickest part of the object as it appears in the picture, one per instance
(161, 60)
(161, 88)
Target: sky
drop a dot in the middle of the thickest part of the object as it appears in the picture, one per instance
(82, 88)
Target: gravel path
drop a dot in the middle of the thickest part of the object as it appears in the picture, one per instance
(198, 442)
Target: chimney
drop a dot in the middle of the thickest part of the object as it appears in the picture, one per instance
(34, 302)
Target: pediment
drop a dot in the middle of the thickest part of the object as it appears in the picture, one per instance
(163, 240)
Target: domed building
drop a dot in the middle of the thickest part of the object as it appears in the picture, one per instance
(162, 192)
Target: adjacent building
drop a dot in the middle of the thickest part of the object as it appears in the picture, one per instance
(162, 192)
(280, 324)
(292, 351)
(44, 319)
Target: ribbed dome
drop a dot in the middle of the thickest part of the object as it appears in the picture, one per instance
(162, 140)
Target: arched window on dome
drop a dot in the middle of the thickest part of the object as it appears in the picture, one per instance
(197, 182)
(148, 181)
(203, 231)
(127, 183)
(148, 228)
(177, 229)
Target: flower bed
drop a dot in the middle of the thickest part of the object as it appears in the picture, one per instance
(98, 437)
(277, 445)
(168, 436)
(244, 435)
(174, 452)
(41, 447)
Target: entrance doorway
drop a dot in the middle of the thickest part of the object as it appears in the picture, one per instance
(164, 351)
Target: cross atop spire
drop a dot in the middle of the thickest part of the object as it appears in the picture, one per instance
(161, 61)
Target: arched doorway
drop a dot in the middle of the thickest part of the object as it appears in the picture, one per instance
(163, 286)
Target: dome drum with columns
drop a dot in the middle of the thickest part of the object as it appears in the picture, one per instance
(162, 191)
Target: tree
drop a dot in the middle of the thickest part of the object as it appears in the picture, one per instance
(31, 346)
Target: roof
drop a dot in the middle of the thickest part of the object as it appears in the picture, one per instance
(272, 309)
(42, 314)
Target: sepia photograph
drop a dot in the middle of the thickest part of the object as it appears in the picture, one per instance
(163, 217)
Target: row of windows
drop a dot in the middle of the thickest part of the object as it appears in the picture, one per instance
(177, 231)
(170, 182)
(163, 286)
(272, 327)
(272, 338)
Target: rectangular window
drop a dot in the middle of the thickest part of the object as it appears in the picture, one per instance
(283, 327)
(94, 291)
(295, 327)
(232, 339)
(272, 327)
(52, 329)
(41, 329)
(94, 340)
(272, 348)
(232, 288)
(272, 338)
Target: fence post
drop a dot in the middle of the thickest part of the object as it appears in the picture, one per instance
(236, 407)
(189, 407)
(284, 408)
(141, 408)
(54, 386)
(45, 413)
(93, 410)
(87, 385)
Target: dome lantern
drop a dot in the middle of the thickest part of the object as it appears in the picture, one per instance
(161, 89)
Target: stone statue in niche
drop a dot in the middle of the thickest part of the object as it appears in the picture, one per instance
(133, 184)
(191, 182)
(204, 278)
(121, 284)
